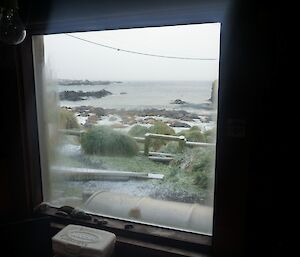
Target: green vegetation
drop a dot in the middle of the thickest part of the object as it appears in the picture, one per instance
(138, 131)
(170, 147)
(102, 140)
(198, 162)
(210, 135)
(193, 134)
(192, 168)
(67, 120)
(188, 177)
(136, 163)
(160, 127)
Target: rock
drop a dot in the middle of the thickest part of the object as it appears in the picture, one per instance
(214, 93)
(129, 116)
(99, 111)
(149, 121)
(179, 124)
(80, 95)
(178, 101)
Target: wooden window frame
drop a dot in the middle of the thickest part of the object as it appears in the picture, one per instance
(196, 244)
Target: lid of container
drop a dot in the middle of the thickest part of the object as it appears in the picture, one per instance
(74, 240)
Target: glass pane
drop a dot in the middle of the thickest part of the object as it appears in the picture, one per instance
(127, 122)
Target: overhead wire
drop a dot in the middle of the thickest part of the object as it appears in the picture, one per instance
(140, 53)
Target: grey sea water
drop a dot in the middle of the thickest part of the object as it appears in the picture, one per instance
(145, 95)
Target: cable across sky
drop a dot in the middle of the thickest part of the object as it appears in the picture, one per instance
(141, 53)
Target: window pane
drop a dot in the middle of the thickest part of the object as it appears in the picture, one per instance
(127, 122)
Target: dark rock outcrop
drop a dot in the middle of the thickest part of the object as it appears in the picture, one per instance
(80, 95)
(178, 101)
(178, 124)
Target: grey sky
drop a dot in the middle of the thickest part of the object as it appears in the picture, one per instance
(71, 58)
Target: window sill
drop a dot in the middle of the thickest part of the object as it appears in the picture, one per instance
(139, 238)
(156, 249)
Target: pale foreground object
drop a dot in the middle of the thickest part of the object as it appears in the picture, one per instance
(80, 241)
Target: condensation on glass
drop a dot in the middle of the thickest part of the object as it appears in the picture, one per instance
(127, 122)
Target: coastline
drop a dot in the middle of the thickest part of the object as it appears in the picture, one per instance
(180, 105)
(124, 120)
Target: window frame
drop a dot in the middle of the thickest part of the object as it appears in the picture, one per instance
(183, 240)
(175, 237)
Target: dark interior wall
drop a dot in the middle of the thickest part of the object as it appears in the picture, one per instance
(270, 169)
(13, 180)
(250, 157)
(246, 58)
(255, 98)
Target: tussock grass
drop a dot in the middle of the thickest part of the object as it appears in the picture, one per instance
(102, 140)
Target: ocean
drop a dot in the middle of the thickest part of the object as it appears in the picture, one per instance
(146, 95)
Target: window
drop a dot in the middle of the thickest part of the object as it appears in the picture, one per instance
(127, 122)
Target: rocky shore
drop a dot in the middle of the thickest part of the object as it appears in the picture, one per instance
(80, 95)
(120, 118)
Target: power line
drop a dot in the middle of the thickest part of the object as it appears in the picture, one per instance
(141, 53)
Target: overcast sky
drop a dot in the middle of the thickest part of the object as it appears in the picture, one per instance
(70, 58)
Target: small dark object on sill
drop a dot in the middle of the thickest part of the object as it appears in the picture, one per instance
(67, 209)
(128, 226)
(62, 213)
(80, 214)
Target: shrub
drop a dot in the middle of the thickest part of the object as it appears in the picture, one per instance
(195, 128)
(199, 163)
(193, 134)
(170, 147)
(138, 131)
(102, 140)
(210, 135)
(162, 128)
(67, 120)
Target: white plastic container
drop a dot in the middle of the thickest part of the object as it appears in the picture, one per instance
(80, 241)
